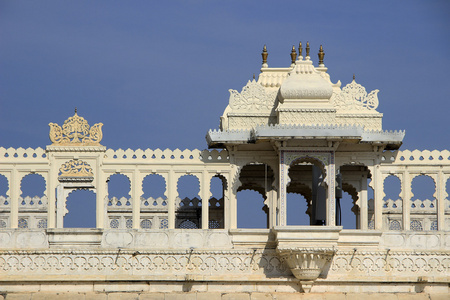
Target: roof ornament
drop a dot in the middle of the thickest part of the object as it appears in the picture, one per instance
(75, 132)
(355, 97)
(253, 76)
(307, 51)
(300, 50)
(264, 55)
(321, 55)
(293, 55)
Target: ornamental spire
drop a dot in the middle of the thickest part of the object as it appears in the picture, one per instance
(300, 50)
(307, 49)
(321, 55)
(264, 55)
(293, 55)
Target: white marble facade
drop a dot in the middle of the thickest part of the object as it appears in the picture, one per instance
(290, 131)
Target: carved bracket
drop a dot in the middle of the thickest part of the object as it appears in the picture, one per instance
(306, 263)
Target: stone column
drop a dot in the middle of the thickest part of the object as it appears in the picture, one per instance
(363, 203)
(205, 194)
(14, 187)
(378, 198)
(227, 193)
(406, 199)
(172, 194)
(52, 183)
(440, 197)
(136, 192)
(283, 179)
(100, 184)
(331, 197)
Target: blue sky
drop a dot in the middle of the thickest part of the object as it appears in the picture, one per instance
(157, 74)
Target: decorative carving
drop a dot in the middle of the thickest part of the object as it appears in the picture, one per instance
(306, 263)
(80, 263)
(253, 97)
(354, 97)
(75, 132)
(75, 168)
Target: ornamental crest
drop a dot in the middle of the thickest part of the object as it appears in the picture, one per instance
(76, 168)
(253, 97)
(354, 97)
(75, 132)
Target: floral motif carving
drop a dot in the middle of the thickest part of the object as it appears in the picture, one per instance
(75, 132)
(354, 97)
(253, 97)
(76, 168)
(153, 262)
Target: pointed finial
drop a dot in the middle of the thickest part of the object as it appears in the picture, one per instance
(307, 49)
(293, 55)
(354, 77)
(264, 55)
(75, 110)
(300, 49)
(321, 55)
(253, 76)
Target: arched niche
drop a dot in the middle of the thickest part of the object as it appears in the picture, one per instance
(73, 175)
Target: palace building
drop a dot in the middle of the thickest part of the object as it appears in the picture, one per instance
(290, 135)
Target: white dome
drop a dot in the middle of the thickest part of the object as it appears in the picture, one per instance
(304, 82)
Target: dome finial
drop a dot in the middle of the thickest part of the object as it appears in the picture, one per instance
(354, 77)
(253, 76)
(264, 55)
(321, 55)
(300, 50)
(307, 49)
(75, 109)
(293, 55)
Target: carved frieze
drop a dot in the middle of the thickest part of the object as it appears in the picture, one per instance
(75, 169)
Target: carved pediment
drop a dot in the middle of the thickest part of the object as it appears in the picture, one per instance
(75, 132)
(354, 97)
(252, 98)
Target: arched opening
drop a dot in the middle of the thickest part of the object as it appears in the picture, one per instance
(4, 202)
(392, 203)
(218, 185)
(252, 196)
(307, 178)
(355, 204)
(188, 204)
(81, 207)
(154, 206)
(119, 207)
(32, 185)
(33, 202)
(423, 212)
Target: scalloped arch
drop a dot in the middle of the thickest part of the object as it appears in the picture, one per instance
(37, 174)
(155, 176)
